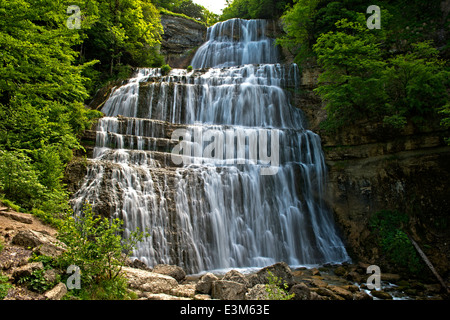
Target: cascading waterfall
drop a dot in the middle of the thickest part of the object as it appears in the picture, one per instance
(183, 155)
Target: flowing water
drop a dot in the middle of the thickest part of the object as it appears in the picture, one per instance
(215, 163)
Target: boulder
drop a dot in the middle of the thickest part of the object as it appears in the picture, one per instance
(146, 281)
(362, 295)
(381, 294)
(340, 271)
(41, 243)
(258, 292)
(170, 270)
(328, 293)
(228, 290)
(138, 264)
(205, 283)
(301, 292)
(186, 290)
(280, 270)
(236, 276)
(344, 293)
(57, 292)
(26, 270)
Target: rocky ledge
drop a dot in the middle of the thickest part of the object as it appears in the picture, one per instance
(23, 234)
(329, 282)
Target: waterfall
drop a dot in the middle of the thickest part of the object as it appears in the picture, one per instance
(215, 162)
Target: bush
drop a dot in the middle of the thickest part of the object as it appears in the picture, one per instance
(95, 245)
(277, 288)
(394, 242)
(4, 286)
(165, 69)
(189, 68)
(18, 179)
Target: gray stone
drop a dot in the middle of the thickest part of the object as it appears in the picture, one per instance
(236, 276)
(170, 270)
(228, 290)
(57, 292)
(146, 281)
(280, 270)
(301, 292)
(258, 292)
(204, 285)
(26, 270)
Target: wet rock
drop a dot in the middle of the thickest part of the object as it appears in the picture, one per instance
(346, 294)
(362, 295)
(381, 295)
(205, 283)
(340, 271)
(390, 277)
(301, 292)
(315, 272)
(228, 290)
(328, 293)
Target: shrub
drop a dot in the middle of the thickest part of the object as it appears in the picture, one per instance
(165, 69)
(277, 288)
(4, 286)
(95, 245)
(189, 68)
(394, 242)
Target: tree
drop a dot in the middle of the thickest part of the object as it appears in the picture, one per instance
(353, 67)
(42, 91)
(362, 81)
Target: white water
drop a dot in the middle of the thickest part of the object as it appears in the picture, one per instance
(214, 213)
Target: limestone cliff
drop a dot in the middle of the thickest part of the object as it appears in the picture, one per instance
(181, 39)
(373, 168)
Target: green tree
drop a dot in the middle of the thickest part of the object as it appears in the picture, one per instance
(42, 91)
(416, 85)
(353, 68)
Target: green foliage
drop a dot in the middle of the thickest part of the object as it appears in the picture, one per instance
(255, 9)
(95, 245)
(388, 225)
(165, 69)
(353, 68)
(4, 286)
(277, 288)
(360, 82)
(189, 68)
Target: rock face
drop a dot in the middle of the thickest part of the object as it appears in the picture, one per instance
(373, 168)
(181, 38)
